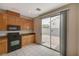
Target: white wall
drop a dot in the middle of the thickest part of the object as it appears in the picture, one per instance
(72, 31)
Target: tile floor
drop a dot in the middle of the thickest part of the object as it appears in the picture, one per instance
(33, 50)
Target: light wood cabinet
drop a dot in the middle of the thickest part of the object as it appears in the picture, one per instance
(24, 24)
(3, 22)
(11, 20)
(27, 24)
(3, 45)
(8, 18)
(18, 21)
(12, 17)
(27, 39)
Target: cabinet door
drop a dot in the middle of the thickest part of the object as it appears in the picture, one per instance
(30, 39)
(11, 20)
(0, 47)
(22, 23)
(24, 27)
(18, 21)
(3, 22)
(30, 24)
(27, 24)
(26, 40)
(3, 46)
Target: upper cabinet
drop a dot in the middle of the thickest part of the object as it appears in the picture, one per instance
(3, 22)
(27, 24)
(12, 18)
(7, 18)
(30, 24)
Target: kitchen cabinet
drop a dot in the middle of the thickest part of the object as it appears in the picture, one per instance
(30, 24)
(23, 24)
(8, 18)
(12, 17)
(27, 39)
(3, 22)
(27, 24)
(11, 20)
(18, 21)
(3, 45)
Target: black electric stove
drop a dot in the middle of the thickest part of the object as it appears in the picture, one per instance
(14, 38)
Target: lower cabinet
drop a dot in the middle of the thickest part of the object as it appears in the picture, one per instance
(27, 39)
(3, 45)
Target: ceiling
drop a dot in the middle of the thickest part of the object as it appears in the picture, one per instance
(29, 9)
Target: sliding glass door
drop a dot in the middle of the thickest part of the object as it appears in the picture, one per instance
(54, 32)
(51, 32)
(46, 32)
